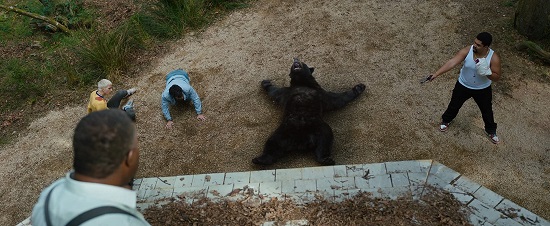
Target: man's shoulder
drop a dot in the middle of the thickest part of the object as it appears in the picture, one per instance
(467, 48)
(462, 53)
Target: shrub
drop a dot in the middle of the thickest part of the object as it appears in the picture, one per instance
(109, 52)
(170, 18)
(228, 4)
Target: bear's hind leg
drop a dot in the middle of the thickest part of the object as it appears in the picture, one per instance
(323, 146)
(271, 153)
(264, 159)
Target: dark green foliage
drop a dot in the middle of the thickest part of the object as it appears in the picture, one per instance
(70, 13)
(228, 4)
(110, 52)
(154, 26)
(48, 7)
(170, 18)
(14, 26)
(21, 83)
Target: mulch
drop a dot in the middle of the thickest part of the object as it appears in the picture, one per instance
(437, 207)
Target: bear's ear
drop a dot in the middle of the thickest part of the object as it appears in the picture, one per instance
(311, 69)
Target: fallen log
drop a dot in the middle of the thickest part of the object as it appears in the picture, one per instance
(37, 16)
(533, 47)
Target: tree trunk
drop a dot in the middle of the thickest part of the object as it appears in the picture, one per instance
(36, 16)
(532, 18)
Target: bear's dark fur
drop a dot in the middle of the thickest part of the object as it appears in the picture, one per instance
(303, 128)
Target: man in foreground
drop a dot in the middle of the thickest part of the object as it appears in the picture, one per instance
(95, 192)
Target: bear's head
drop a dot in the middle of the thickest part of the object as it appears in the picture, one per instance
(301, 75)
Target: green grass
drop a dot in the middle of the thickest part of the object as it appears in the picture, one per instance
(14, 26)
(109, 52)
(21, 82)
(170, 18)
(228, 5)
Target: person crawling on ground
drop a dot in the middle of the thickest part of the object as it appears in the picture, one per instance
(179, 90)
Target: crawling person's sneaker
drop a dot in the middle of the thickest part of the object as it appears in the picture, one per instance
(128, 105)
(493, 138)
(443, 127)
(131, 91)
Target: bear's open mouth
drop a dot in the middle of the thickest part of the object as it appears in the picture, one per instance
(296, 65)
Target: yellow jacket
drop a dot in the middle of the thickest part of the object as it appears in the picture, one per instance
(96, 103)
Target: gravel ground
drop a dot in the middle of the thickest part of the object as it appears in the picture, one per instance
(387, 45)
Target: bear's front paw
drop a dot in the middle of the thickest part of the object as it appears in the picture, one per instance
(359, 88)
(266, 83)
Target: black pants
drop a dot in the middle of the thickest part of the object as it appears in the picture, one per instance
(483, 99)
(114, 103)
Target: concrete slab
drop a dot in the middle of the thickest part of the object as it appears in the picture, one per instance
(406, 179)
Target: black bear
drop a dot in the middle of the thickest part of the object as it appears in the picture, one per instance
(303, 128)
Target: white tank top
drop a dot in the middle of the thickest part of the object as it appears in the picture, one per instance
(468, 74)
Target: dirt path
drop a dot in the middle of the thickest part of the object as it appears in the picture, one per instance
(387, 45)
